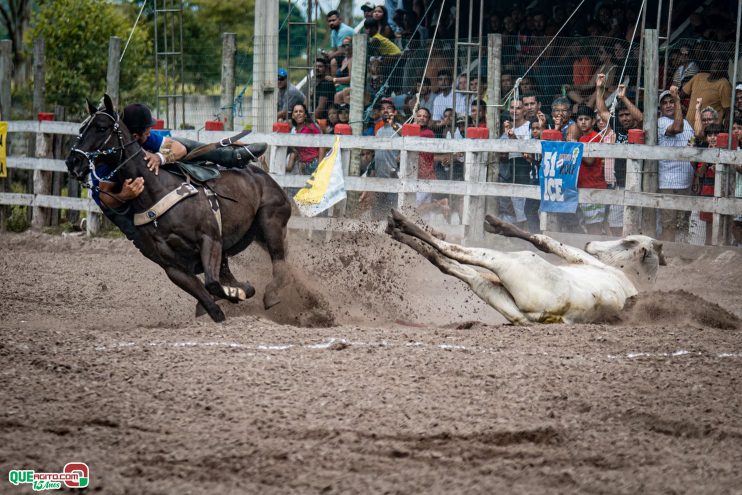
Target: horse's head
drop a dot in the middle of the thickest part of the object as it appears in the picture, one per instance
(103, 138)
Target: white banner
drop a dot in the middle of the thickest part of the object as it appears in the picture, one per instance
(325, 187)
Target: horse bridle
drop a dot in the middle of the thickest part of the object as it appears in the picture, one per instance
(92, 156)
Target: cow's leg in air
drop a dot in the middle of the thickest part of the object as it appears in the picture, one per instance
(493, 294)
(531, 281)
(494, 225)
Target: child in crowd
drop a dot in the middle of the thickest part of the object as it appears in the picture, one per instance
(703, 181)
(591, 172)
(332, 118)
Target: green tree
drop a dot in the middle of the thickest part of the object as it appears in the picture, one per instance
(76, 35)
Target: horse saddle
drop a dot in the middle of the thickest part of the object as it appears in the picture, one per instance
(199, 171)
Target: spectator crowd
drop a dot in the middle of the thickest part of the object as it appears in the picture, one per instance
(594, 100)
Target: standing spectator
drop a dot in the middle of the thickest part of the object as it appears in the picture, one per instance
(628, 117)
(426, 160)
(338, 32)
(303, 160)
(386, 161)
(713, 87)
(288, 95)
(686, 68)
(703, 180)
(324, 90)
(517, 168)
(381, 15)
(675, 176)
(591, 172)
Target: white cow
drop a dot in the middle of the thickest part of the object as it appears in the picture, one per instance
(593, 286)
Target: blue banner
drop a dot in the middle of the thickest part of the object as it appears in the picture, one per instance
(557, 175)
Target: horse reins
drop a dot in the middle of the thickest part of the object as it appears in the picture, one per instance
(92, 156)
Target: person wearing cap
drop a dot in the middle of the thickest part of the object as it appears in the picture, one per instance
(675, 176)
(338, 31)
(368, 10)
(288, 95)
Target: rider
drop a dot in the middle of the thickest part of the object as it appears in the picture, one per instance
(158, 150)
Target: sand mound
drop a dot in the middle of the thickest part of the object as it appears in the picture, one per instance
(677, 307)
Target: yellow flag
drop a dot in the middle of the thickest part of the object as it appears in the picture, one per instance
(3, 154)
(326, 185)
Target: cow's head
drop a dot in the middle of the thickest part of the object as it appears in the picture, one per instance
(638, 256)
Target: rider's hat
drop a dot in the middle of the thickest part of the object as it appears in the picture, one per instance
(137, 118)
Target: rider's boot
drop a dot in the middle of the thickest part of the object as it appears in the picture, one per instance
(234, 156)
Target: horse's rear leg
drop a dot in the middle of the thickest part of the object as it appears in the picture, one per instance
(273, 221)
(226, 278)
(192, 285)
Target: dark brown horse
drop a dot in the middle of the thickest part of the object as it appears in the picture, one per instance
(198, 233)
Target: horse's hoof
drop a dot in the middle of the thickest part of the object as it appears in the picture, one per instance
(200, 310)
(249, 290)
(217, 315)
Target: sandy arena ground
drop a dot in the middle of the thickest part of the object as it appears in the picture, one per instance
(415, 387)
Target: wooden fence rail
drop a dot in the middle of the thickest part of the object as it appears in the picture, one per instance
(472, 189)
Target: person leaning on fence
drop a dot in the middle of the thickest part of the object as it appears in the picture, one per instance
(591, 173)
(517, 168)
(380, 46)
(703, 180)
(303, 160)
(627, 117)
(675, 176)
(386, 161)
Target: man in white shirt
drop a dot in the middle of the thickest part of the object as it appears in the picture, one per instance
(675, 176)
(518, 168)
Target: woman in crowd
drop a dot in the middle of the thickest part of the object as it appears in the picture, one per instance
(382, 17)
(303, 160)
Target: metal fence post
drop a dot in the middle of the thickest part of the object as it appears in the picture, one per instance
(229, 47)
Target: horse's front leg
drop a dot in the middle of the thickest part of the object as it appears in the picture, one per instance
(211, 258)
(192, 285)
